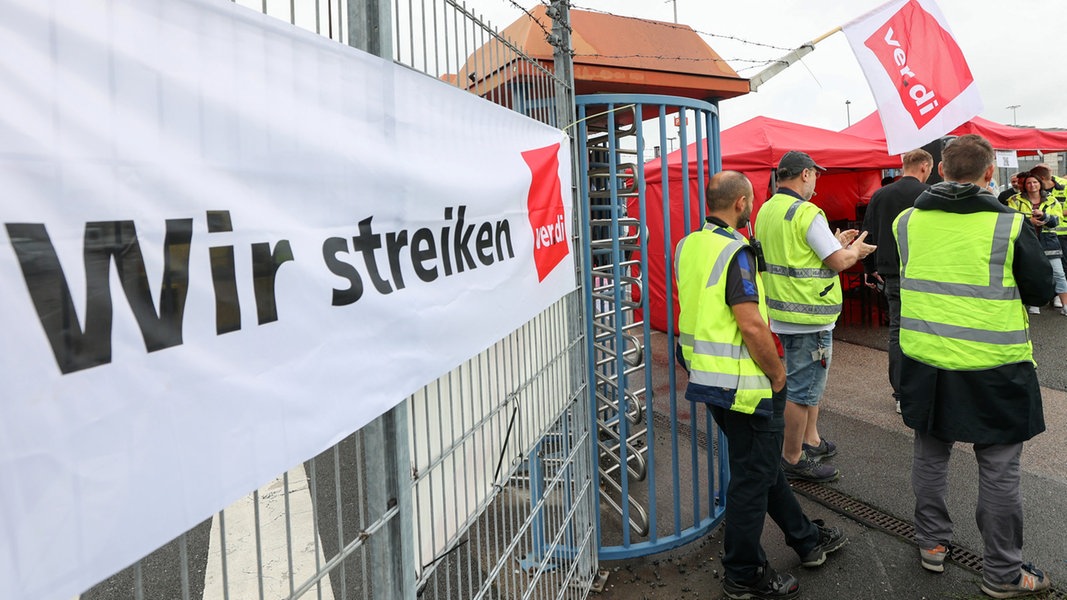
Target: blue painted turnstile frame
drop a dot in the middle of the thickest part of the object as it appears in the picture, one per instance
(661, 501)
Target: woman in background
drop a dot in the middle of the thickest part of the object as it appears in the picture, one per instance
(1045, 214)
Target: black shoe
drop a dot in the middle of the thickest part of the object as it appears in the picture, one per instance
(767, 585)
(830, 539)
(825, 449)
(810, 470)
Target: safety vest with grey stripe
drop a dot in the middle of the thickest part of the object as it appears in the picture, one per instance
(961, 325)
(796, 276)
(711, 340)
(1059, 194)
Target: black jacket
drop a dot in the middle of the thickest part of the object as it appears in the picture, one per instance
(885, 205)
(994, 406)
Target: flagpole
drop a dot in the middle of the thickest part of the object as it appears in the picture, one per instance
(782, 63)
(825, 35)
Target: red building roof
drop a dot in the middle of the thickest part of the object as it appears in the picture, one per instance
(612, 54)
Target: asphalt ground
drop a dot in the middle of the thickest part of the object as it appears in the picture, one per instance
(874, 457)
(875, 460)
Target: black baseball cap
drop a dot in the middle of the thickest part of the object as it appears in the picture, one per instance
(795, 161)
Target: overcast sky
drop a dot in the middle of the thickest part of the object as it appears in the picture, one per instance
(1016, 49)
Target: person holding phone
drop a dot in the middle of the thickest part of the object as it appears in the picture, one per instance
(1045, 216)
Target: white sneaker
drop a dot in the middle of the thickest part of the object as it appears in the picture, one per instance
(1063, 311)
(898, 407)
(1034, 310)
(1056, 302)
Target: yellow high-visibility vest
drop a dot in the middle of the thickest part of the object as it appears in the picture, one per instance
(712, 346)
(1060, 196)
(800, 288)
(1049, 206)
(959, 305)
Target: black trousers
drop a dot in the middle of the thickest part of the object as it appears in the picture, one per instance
(758, 488)
(892, 296)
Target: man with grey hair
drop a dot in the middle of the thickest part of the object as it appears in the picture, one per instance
(969, 267)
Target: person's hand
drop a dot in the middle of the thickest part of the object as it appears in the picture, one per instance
(862, 248)
(872, 279)
(846, 237)
(778, 384)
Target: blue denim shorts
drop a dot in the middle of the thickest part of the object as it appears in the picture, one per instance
(807, 360)
(1057, 274)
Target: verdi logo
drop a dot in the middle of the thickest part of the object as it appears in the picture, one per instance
(923, 61)
(545, 206)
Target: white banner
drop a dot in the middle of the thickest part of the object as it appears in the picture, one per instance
(917, 73)
(227, 245)
(1007, 159)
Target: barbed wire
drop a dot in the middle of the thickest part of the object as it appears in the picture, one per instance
(685, 27)
(755, 62)
(763, 64)
(548, 34)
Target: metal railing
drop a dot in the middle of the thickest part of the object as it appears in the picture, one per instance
(662, 468)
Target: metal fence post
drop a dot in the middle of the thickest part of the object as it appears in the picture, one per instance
(563, 65)
(370, 27)
(392, 556)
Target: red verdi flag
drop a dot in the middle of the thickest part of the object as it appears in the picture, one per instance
(545, 204)
(916, 70)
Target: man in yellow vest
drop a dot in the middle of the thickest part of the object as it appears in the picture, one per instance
(969, 267)
(804, 300)
(734, 368)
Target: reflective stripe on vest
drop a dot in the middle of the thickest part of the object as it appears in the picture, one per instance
(800, 288)
(1060, 195)
(973, 324)
(712, 346)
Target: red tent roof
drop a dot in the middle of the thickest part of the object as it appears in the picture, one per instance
(760, 142)
(754, 148)
(1025, 140)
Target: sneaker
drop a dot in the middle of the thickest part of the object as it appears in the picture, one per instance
(934, 558)
(830, 540)
(898, 407)
(810, 470)
(768, 584)
(1034, 310)
(1031, 580)
(824, 450)
(1063, 311)
(1056, 302)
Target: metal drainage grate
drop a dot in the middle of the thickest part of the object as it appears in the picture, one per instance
(872, 517)
(862, 512)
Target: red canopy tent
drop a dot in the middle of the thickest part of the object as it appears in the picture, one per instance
(1024, 140)
(854, 170)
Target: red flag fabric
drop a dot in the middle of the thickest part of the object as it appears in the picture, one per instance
(916, 70)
